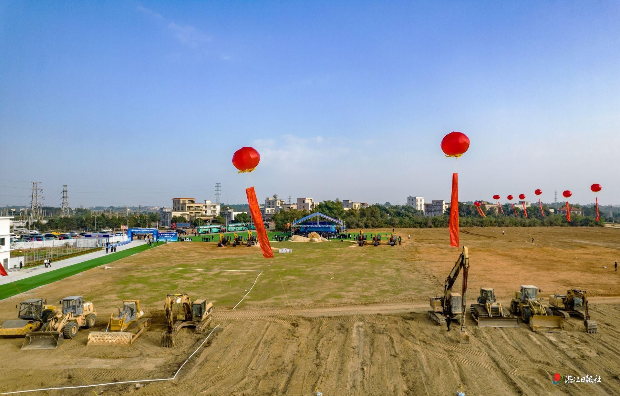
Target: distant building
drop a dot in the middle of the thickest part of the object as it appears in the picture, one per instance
(306, 204)
(5, 241)
(437, 207)
(348, 204)
(229, 215)
(272, 206)
(165, 217)
(416, 202)
(289, 207)
(188, 208)
(527, 204)
(573, 210)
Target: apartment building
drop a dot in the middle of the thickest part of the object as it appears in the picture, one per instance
(188, 208)
(5, 241)
(437, 207)
(306, 204)
(416, 202)
(348, 204)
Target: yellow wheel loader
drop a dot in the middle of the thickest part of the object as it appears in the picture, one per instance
(123, 327)
(530, 309)
(195, 314)
(489, 313)
(574, 302)
(64, 323)
(452, 305)
(31, 316)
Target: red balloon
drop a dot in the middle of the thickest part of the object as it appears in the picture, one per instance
(567, 194)
(246, 159)
(596, 188)
(495, 196)
(509, 197)
(538, 191)
(477, 203)
(521, 196)
(455, 144)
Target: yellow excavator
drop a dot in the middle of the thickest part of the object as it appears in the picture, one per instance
(452, 305)
(63, 323)
(574, 302)
(530, 308)
(224, 240)
(361, 238)
(489, 313)
(237, 239)
(123, 327)
(30, 317)
(195, 314)
(251, 239)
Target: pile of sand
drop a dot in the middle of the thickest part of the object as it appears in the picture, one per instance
(312, 237)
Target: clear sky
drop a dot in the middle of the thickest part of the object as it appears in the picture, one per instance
(138, 102)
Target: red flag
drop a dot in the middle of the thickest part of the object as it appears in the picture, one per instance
(524, 210)
(541, 209)
(567, 211)
(454, 212)
(257, 218)
(597, 217)
(2, 271)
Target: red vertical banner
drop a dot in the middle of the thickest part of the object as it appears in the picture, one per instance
(597, 217)
(500, 207)
(454, 212)
(524, 210)
(257, 218)
(2, 271)
(567, 211)
(541, 209)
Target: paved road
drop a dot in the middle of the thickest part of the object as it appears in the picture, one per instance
(15, 275)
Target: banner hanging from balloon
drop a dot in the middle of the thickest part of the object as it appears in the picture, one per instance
(480, 212)
(454, 144)
(513, 205)
(538, 192)
(499, 205)
(595, 189)
(246, 159)
(567, 194)
(522, 198)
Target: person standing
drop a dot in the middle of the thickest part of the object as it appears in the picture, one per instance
(448, 321)
(21, 265)
(616, 266)
(107, 247)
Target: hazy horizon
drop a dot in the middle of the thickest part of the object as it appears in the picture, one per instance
(132, 103)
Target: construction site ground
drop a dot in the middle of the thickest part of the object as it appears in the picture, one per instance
(340, 319)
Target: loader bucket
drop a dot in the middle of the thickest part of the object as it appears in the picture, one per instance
(546, 322)
(109, 338)
(498, 322)
(42, 340)
(464, 337)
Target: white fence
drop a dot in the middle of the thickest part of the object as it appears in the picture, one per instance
(76, 242)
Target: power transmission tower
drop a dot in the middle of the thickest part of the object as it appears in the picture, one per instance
(289, 199)
(36, 201)
(65, 201)
(556, 198)
(218, 192)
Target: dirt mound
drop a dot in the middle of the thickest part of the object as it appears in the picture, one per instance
(312, 237)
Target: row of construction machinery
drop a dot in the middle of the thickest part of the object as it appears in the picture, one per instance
(526, 305)
(45, 327)
(375, 240)
(237, 239)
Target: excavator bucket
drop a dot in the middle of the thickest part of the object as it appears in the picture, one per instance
(498, 322)
(590, 326)
(42, 340)
(464, 337)
(167, 339)
(546, 322)
(109, 338)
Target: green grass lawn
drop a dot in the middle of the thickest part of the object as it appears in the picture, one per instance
(32, 282)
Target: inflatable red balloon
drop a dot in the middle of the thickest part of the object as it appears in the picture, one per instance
(539, 192)
(596, 188)
(567, 194)
(521, 196)
(509, 197)
(496, 196)
(477, 203)
(246, 159)
(455, 144)
(499, 205)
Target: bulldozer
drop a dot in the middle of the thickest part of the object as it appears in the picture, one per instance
(224, 240)
(195, 314)
(123, 327)
(530, 308)
(452, 305)
(63, 323)
(30, 317)
(490, 313)
(574, 302)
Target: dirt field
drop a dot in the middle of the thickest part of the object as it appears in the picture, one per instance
(340, 319)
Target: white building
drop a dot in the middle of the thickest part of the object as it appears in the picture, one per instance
(437, 207)
(5, 241)
(273, 205)
(348, 204)
(229, 215)
(306, 204)
(188, 208)
(165, 217)
(416, 202)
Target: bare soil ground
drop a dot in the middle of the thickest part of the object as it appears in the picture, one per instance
(345, 321)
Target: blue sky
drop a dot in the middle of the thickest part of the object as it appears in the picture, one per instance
(134, 103)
